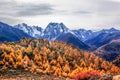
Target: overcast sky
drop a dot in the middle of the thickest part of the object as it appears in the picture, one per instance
(75, 14)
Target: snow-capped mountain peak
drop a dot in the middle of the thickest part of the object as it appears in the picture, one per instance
(53, 30)
(23, 27)
(33, 31)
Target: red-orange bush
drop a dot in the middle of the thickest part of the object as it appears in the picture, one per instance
(85, 75)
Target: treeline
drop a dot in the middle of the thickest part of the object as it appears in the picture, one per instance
(57, 58)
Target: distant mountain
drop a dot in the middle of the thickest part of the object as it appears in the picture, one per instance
(9, 33)
(103, 37)
(109, 51)
(53, 30)
(83, 34)
(111, 30)
(72, 39)
(33, 31)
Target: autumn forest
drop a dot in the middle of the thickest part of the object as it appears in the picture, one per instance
(51, 57)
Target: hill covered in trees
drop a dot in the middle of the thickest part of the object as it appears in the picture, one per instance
(54, 57)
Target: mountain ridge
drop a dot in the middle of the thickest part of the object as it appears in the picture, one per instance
(9, 33)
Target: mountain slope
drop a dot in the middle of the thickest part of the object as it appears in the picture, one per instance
(33, 31)
(72, 39)
(9, 33)
(109, 51)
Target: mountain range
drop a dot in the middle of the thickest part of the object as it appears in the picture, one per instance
(103, 37)
(58, 31)
(54, 30)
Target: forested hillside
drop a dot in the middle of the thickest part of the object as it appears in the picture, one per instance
(57, 58)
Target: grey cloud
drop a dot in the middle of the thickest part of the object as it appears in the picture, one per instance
(107, 8)
(33, 9)
(26, 9)
(83, 12)
(99, 7)
(7, 7)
